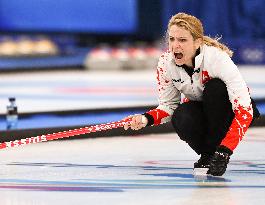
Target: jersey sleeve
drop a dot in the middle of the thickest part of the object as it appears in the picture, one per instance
(168, 95)
(239, 96)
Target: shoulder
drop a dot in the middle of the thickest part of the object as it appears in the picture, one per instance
(166, 54)
(218, 63)
(212, 54)
(165, 57)
(212, 50)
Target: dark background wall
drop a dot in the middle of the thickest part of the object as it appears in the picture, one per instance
(231, 18)
(241, 23)
(244, 19)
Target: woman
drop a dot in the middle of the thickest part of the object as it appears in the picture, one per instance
(219, 109)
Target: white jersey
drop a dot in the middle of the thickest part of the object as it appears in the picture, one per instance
(173, 82)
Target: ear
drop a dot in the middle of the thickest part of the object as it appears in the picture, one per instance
(198, 43)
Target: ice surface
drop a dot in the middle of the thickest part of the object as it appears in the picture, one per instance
(146, 169)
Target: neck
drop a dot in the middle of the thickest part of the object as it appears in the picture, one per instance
(193, 59)
(190, 64)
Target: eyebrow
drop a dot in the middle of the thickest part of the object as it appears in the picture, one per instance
(177, 37)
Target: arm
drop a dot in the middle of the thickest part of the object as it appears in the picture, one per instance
(169, 96)
(239, 96)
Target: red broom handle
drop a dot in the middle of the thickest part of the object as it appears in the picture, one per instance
(64, 134)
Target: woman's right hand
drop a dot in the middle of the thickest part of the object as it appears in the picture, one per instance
(137, 122)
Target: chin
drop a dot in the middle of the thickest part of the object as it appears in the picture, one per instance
(178, 63)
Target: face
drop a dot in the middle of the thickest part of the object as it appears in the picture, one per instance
(182, 45)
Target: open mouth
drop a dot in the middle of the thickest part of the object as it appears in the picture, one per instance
(178, 55)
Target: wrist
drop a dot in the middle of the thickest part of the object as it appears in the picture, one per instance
(225, 150)
(144, 120)
(150, 119)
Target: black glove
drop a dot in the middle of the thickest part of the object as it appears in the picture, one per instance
(219, 161)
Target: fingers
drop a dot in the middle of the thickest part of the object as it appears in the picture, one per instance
(127, 125)
(137, 122)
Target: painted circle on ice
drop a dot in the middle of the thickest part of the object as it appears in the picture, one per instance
(165, 174)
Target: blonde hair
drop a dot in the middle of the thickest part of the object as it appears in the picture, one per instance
(194, 25)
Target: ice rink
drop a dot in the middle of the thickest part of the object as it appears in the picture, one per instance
(71, 90)
(144, 169)
(141, 169)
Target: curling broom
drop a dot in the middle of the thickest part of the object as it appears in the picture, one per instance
(64, 134)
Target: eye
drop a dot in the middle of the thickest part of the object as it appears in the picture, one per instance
(171, 39)
(183, 40)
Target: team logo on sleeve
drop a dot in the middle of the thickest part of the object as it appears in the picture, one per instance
(205, 77)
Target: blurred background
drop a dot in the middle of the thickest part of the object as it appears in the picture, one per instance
(69, 62)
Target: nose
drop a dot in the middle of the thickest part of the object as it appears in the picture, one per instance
(176, 44)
